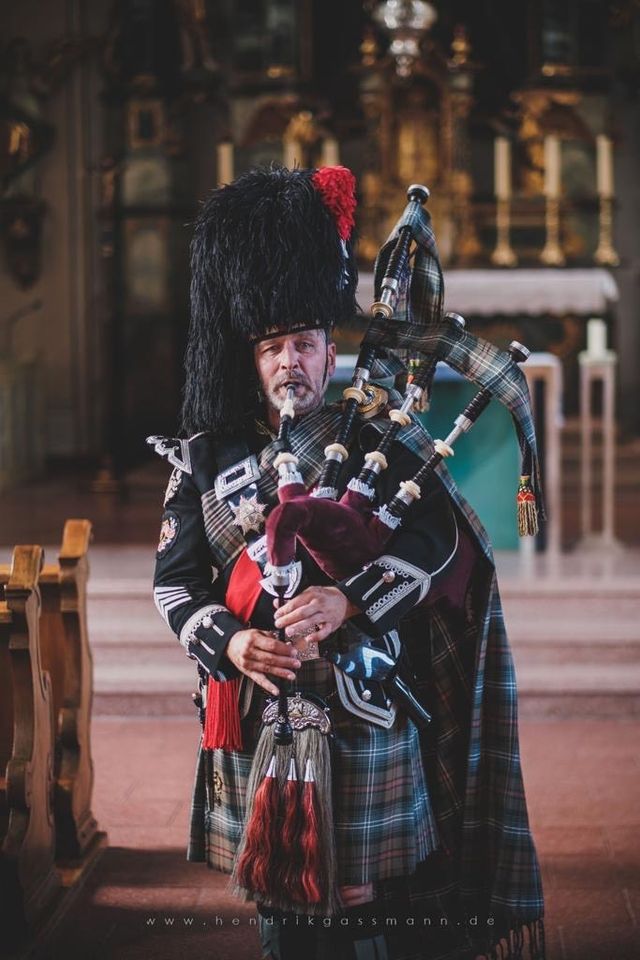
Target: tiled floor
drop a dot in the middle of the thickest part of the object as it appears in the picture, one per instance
(144, 900)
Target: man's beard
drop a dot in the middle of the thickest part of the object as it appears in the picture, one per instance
(303, 402)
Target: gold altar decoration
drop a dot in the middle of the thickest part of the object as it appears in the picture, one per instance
(417, 132)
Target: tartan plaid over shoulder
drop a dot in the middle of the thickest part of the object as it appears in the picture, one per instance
(487, 867)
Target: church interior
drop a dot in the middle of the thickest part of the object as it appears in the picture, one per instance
(118, 118)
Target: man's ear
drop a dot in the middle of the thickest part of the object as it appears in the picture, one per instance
(331, 358)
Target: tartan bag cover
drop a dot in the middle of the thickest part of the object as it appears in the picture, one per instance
(419, 325)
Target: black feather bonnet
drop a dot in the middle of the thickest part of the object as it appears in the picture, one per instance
(270, 251)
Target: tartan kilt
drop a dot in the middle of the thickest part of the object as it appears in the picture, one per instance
(384, 824)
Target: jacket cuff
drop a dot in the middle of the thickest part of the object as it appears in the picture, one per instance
(205, 636)
(385, 591)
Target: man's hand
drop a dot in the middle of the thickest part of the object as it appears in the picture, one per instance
(317, 610)
(257, 653)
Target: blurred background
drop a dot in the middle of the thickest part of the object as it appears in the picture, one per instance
(116, 119)
(119, 117)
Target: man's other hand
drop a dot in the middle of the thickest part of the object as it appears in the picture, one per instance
(257, 653)
(317, 610)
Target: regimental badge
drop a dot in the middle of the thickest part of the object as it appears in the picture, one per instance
(168, 533)
(173, 486)
(248, 513)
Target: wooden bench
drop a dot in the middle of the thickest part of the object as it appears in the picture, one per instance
(29, 883)
(49, 835)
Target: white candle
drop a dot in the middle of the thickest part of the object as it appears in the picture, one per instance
(330, 153)
(604, 166)
(552, 167)
(596, 337)
(502, 168)
(225, 162)
(291, 153)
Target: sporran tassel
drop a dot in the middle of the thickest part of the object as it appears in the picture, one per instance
(290, 859)
(319, 867)
(312, 878)
(527, 508)
(256, 857)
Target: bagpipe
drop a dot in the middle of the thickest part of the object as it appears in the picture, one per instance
(286, 856)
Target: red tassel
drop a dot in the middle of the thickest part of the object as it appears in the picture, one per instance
(290, 840)
(256, 865)
(310, 840)
(222, 717)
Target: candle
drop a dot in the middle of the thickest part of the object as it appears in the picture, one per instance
(330, 153)
(502, 168)
(604, 166)
(290, 153)
(596, 338)
(552, 167)
(225, 162)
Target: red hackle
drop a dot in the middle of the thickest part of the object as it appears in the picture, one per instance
(336, 186)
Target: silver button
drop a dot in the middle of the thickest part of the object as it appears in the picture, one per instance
(388, 702)
(207, 622)
(366, 695)
(388, 576)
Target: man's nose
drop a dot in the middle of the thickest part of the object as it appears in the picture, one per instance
(289, 356)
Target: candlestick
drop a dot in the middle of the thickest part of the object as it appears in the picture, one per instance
(225, 162)
(606, 254)
(552, 254)
(291, 153)
(503, 255)
(502, 168)
(604, 149)
(596, 338)
(330, 156)
(552, 167)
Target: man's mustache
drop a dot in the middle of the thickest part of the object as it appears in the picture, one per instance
(292, 381)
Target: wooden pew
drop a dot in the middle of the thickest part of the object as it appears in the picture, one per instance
(29, 884)
(66, 654)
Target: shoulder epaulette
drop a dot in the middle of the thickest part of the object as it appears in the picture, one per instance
(173, 449)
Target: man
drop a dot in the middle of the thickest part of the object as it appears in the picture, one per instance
(273, 272)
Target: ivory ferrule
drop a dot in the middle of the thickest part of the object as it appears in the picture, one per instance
(409, 491)
(380, 306)
(443, 447)
(375, 461)
(285, 457)
(335, 451)
(401, 416)
(354, 393)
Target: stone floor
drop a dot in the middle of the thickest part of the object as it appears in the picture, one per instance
(144, 900)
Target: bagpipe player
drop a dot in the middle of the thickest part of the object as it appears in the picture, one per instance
(397, 827)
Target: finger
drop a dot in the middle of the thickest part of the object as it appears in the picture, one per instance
(258, 667)
(304, 627)
(297, 615)
(299, 600)
(263, 682)
(272, 646)
(268, 662)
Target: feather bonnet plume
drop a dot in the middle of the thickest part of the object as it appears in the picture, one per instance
(270, 251)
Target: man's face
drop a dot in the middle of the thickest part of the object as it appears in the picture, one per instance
(303, 359)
